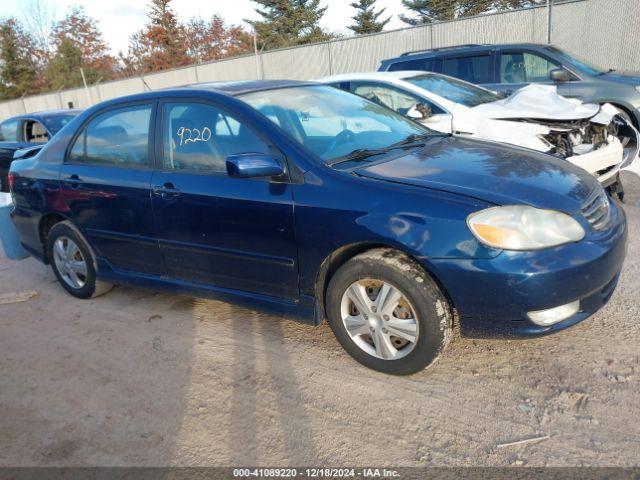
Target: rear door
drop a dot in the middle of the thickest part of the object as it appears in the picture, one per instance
(106, 180)
(230, 233)
(474, 68)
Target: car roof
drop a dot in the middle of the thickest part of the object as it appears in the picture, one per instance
(47, 114)
(247, 86)
(231, 89)
(395, 75)
(470, 48)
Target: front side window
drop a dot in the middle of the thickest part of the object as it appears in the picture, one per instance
(332, 123)
(454, 90)
(201, 137)
(9, 131)
(524, 67)
(117, 138)
(34, 132)
(476, 69)
(398, 100)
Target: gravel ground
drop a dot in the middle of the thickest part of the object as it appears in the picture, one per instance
(142, 378)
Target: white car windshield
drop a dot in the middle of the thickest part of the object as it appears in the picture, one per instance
(453, 90)
(332, 123)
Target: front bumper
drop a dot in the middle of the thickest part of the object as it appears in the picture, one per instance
(604, 163)
(492, 296)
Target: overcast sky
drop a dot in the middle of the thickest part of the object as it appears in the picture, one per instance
(118, 19)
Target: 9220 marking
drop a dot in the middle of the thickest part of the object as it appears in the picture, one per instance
(195, 135)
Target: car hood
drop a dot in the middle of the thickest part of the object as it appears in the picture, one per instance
(540, 102)
(488, 171)
(630, 78)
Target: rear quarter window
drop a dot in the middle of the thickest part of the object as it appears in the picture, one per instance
(425, 64)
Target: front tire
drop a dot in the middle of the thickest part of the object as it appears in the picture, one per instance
(73, 262)
(387, 313)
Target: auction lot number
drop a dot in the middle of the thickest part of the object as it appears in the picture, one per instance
(314, 473)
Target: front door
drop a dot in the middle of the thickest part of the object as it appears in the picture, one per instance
(225, 232)
(519, 68)
(106, 181)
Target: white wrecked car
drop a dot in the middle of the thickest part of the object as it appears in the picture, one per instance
(588, 135)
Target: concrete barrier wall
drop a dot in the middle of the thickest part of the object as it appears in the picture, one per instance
(604, 31)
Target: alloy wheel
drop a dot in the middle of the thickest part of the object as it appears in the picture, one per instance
(70, 262)
(379, 319)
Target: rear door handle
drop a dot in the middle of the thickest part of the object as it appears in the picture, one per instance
(73, 180)
(166, 190)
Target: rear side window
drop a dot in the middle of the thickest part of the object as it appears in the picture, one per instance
(118, 138)
(476, 69)
(201, 137)
(9, 131)
(425, 64)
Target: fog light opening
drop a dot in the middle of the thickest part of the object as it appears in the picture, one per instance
(551, 316)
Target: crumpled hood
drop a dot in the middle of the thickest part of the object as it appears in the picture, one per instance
(489, 171)
(537, 102)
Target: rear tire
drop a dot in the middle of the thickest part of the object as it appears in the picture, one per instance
(73, 262)
(387, 313)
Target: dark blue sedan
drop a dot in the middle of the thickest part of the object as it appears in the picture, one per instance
(314, 202)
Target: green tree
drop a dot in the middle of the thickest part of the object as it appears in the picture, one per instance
(63, 70)
(18, 67)
(160, 44)
(429, 11)
(285, 23)
(366, 18)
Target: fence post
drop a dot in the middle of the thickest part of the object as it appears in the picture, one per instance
(549, 6)
(86, 88)
(330, 58)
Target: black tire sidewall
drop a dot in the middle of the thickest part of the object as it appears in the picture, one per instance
(64, 230)
(420, 290)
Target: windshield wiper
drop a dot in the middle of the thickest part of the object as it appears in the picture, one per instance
(358, 154)
(364, 153)
(611, 70)
(410, 140)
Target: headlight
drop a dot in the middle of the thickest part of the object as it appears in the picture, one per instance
(638, 88)
(520, 227)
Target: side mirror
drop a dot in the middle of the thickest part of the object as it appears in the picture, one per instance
(419, 111)
(252, 165)
(559, 75)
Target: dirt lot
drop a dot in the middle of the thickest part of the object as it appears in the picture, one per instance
(140, 378)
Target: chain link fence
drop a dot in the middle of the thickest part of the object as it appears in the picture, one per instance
(604, 31)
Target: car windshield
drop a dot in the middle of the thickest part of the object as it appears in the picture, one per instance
(577, 63)
(55, 122)
(454, 90)
(333, 123)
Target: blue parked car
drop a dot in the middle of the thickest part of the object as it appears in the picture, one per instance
(28, 131)
(313, 202)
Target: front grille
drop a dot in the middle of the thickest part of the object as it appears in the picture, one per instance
(596, 209)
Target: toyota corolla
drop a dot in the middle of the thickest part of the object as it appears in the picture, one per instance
(317, 203)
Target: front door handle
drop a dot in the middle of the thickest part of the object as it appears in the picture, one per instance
(166, 190)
